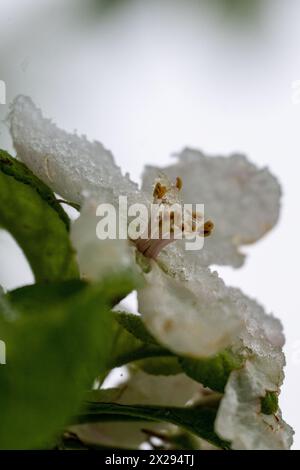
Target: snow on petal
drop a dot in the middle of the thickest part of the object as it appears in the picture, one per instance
(197, 317)
(262, 334)
(97, 258)
(240, 419)
(242, 200)
(68, 163)
(261, 339)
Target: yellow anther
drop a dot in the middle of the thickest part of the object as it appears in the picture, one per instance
(208, 228)
(159, 191)
(179, 183)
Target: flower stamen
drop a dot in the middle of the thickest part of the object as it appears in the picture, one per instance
(159, 191)
(179, 183)
(208, 228)
(168, 225)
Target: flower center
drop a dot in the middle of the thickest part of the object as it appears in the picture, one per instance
(171, 221)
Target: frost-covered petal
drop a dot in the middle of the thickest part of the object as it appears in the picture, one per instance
(240, 419)
(97, 258)
(262, 340)
(242, 200)
(262, 334)
(193, 312)
(196, 317)
(142, 389)
(68, 163)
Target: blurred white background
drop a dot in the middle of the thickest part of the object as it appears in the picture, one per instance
(149, 78)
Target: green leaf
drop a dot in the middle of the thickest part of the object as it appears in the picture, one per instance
(212, 372)
(38, 298)
(269, 403)
(197, 420)
(31, 214)
(118, 286)
(104, 395)
(58, 339)
(128, 348)
(165, 365)
(134, 325)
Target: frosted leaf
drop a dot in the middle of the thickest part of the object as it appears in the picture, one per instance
(196, 317)
(68, 163)
(242, 200)
(240, 419)
(142, 389)
(97, 258)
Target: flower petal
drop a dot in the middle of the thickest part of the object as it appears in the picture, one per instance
(242, 200)
(194, 313)
(146, 389)
(196, 317)
(240, 419)
(97, 258)
(68, 163)
(262, 334)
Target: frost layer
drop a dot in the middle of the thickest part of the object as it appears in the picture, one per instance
(68, 163)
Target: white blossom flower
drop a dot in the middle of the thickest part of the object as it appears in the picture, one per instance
(186, 307)
(74, 167)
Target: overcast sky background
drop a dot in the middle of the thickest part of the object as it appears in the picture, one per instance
(154, 77)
